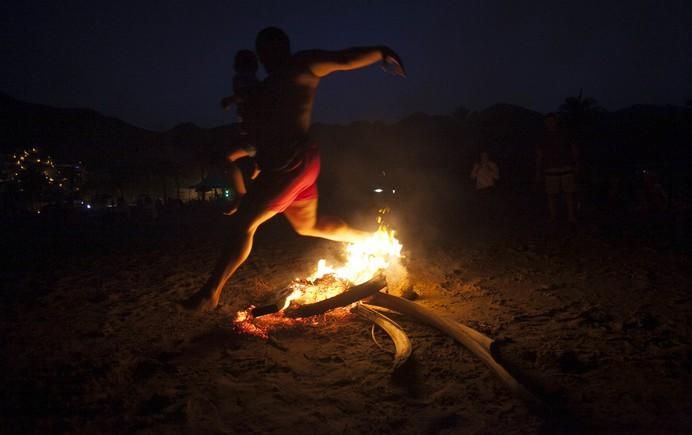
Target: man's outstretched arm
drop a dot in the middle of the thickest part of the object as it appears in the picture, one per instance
(323, 63)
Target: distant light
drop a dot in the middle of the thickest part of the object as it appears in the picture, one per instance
(88, 206)
(38, 211)
(393, 191)
(378, 190)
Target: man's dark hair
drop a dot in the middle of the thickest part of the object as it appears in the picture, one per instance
(272, 36)
(245, 60)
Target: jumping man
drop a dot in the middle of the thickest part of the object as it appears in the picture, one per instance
(288, 159)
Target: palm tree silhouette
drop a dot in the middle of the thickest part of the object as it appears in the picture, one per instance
(580, 105)
(580, 112)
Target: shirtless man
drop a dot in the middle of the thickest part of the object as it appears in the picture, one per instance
(288, 160)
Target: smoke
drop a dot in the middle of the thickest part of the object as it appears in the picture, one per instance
(397, 278)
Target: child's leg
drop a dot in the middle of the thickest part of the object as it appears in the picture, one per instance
(237, 180)
(238, 185)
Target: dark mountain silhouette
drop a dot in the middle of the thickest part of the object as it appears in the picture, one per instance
(417, 142)
(71, 134)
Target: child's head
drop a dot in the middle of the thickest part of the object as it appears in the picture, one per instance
(245, 62)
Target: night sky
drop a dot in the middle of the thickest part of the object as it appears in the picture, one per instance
(158, 63)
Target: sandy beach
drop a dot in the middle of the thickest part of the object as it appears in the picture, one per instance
(599, 327)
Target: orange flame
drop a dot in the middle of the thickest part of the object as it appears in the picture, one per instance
(380, 251)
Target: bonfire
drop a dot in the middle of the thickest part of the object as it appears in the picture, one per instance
(379, 255)
(370, 266)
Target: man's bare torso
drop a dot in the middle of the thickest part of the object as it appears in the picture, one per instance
(285, 107)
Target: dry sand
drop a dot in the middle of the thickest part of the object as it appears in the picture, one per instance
(92, 342)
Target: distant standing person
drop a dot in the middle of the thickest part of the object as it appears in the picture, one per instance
(485, 172)
(245, 87)
(557, 161)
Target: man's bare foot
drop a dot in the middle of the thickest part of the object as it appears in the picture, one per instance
(200, 302)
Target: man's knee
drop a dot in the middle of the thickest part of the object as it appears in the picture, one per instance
(305, 230)
(245, 221)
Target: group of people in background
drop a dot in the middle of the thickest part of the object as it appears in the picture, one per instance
(557, 166)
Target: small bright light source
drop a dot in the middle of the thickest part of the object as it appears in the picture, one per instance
(378, 190)
(88, 205)
(394, 191)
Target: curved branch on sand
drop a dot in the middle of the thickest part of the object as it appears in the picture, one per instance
(352, 295)
(402, 344)
(473, 340)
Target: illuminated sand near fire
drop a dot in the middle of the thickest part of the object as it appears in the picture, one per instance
(97, 346)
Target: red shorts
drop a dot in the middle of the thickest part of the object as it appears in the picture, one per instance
(276, 191)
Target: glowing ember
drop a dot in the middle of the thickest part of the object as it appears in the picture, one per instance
(262, 326)
(381, 251)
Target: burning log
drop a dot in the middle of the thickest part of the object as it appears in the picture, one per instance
(473, 340)
(402, 344)
(274, 307)
(352, 295)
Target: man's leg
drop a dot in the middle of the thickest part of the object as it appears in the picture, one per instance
(569, 187)
(552, 207)
(302, 215)
(569, 198)
(237, 249)
(552, 189)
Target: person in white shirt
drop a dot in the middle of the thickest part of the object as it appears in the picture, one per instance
(485, 172)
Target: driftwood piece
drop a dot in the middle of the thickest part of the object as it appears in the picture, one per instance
(402, 344)
(353, 294)
(473, 340)
(275, 306)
